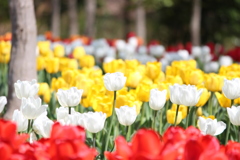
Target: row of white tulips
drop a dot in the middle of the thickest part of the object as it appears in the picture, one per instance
(32, 112)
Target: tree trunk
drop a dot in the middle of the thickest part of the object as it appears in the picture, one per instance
(195, 23)
(141, 21)
(22, 65)
(90, 9)
(55, 26)
(73, 19)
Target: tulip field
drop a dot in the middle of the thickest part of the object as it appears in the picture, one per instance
(121, 100)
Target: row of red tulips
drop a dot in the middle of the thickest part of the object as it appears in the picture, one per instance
(68, 143)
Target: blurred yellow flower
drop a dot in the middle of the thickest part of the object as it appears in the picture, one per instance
(69, 75)
(210, 116)
(133, 79)
(222, 100)
(132, 64)
(182, 108)
(174, 79)
(199, 111)
(143, 92)
(52, 65)
(58, 51)
(40, 63)
(115, 66)
(203, 98)
(153, 69)
(103, 104)
(58, 83)
(164, 86)
(44, 91)
(5, 58)
(81, 81)
(171, 116)
(196, 77)
(78, 52)
(87, 61)
(213, 82)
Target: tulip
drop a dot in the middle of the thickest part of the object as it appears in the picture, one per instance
(203, 98)
(42, 125)
(58, 51)
(94, 121)
(171, 117)
(87, 61)
(126, 115)
(222, 100)
(114, 81)
(69, 98)
(20, 120)
(211, 127)
(231, 88)
(75, 118)
(62, 112)
(153, 69)
(225, 61)
(52, 65)
(26, 88)
(157, 99)
(233, 114)
(187, 95)
(3, 102)
(31, 108)
(133, 79)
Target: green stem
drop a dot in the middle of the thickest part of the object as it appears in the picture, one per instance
(128, 133)
(94, 140)
(142, 113)
(29, 126)
(160, 123)
(69, 110)
(175, 121)
(193, 116)
(228, 130)
(154, 119)
(187, 118)
(238, 133)
(111, 121)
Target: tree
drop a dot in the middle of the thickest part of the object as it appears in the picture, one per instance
(73, 19)
(22, 64)
(55, 26)
(90, 10)
(141, 20)
(195, 23)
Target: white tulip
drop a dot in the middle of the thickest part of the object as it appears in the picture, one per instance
(211, 127)
(233, 114)
(26, 88)
(114, 81)
(156, 50)
(225, 61)
(3, 102)
(187, 95)
(196, 51)
(42, 125)
(211, 66)
(184, 54)
(126, 115)
(75, 118)
(69, 98)
(231, 88)
(157, 99)
(32, 108)
(20, 120)
(94, 121)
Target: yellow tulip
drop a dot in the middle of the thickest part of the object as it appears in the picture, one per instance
(171, 116)
(87, 61)
(133, 79)
(132, 64)
(115, 66)
(58, 51)
(42, 88)
(95, 73)
(52, 65)
(203, 98)
(174, 79)
(185, 74)
(143, 92)
(222, 100)
(213, 82)
(196, 77)
(199, 111)
(5, 58)
(63, 64)
(182, 108)
(82, 82)
(69, 75)
(160, 78)
(5, 47)
(103, 104)
(153, 69)
(210, 116)
(72, 64)
(58, 83)
(237, 101)
(40, 63)
(78, 52)
(44, 47)
(47, 96)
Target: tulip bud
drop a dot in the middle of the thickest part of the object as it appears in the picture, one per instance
(42, 125)
(211, 127)
(32, 108)
(69, 98)
(20, 120)
(126, 115)
(3, 102)
(231, 88)
(26, 88)
(94, 121)
(171, 116)
(157, 99)
(114, 81)
(233, 114)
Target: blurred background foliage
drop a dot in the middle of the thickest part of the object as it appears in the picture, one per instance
(166, 20)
